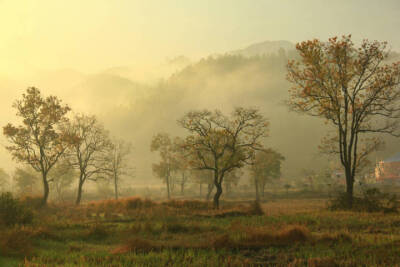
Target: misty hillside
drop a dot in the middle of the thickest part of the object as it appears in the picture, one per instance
(265, 48)
(136, 111)
(223, 82)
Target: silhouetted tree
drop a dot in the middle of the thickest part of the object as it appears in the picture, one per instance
(39, 140)
(222, 144)
(117, 162)
(353, 90)
(265, 167)
(89, 151)
(164, 145)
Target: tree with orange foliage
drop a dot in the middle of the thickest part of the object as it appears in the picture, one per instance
(39, 141)
(354, 90)
(222, 144)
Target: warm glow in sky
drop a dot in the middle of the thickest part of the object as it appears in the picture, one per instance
(90, 35)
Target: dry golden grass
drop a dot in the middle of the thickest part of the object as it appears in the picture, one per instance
(290, 233)
(293, 206)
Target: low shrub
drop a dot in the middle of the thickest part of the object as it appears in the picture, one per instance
(261, 237)
(133, 203)
(286, 236)
(374, 200)
(371, 200)
(98, 232)
(293, 234)
(12, 211)
(255, 209)
(33, 202)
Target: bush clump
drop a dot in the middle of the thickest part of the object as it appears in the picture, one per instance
(12, 211)
(371, 200)
(255, 209)
(98, 232)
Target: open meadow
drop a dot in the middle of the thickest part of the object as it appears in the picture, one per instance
(138, 232)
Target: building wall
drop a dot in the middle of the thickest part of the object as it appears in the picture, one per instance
(387, 171)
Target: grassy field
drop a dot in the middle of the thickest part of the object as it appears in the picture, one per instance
(135, 232)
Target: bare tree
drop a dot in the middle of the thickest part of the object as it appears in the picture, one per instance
(352, 89)
(89, 151)
(118, 162)
(222, 144)
(164, 145)
(39, 141)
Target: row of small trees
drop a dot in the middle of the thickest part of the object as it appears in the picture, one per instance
(353, 88)
(47, 140)
(216, 148)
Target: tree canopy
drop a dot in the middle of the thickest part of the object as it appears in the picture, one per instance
(220, 143)
(39, 140)
(353, 89)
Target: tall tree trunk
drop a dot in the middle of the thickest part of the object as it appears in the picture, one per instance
(116, 186)
(349, 187)
(217, 195)
(210, 189)
(45, 189)
(78, 198)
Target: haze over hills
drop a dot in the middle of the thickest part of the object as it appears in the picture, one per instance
(136, 108)
(264, 48)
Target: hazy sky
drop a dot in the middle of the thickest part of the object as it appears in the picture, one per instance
(90, 35)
